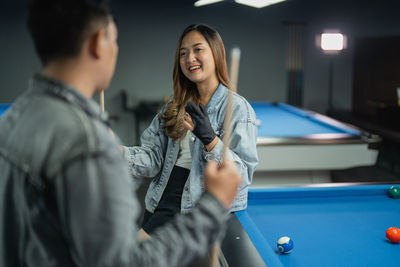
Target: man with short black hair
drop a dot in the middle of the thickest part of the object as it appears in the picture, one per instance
(66, 195)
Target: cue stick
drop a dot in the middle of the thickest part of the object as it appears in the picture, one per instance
(216, 252)
(234, 74)
(102, 101)
(234, 68)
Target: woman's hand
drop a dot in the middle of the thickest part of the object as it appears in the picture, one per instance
(198, 122)
(187, 121)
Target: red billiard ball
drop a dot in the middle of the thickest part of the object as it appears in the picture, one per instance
(393, 234)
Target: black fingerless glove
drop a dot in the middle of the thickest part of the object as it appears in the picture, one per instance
(202, 126)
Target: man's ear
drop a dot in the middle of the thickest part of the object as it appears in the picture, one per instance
(95, 43)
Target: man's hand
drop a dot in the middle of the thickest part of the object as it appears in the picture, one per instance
(222, 181)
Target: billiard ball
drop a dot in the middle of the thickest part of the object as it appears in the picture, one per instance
(393, 234)
(285, 244)
(394, 192)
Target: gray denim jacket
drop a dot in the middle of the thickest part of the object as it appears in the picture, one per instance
(156, 156)
(66, 195)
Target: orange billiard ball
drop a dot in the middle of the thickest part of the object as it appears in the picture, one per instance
(393, 234)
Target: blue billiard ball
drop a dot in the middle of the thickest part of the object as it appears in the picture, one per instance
(285, 244)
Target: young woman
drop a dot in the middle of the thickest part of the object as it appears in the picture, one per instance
(189, 131)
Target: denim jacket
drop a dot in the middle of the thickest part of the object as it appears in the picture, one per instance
(66, 195)
(156, 156)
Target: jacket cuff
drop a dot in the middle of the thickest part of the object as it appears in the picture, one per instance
(209, 201)
(216, 153)
(127, 155)
(211, 205)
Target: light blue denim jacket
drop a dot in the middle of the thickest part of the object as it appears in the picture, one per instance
(156, 156)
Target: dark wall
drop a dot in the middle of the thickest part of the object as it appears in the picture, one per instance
(148, 32)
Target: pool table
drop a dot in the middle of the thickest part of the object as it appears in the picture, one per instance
(3, 108)
(330, 225)
(291, 138)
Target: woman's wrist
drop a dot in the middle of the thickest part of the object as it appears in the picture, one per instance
(211, 145)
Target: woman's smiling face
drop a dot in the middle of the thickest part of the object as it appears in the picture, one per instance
(196, 58)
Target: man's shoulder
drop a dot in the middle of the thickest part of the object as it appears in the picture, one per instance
(55, 122)
(59, 117)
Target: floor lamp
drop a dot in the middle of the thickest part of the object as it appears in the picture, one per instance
(331, 42)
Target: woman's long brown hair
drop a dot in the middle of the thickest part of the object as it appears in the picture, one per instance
(184, 89)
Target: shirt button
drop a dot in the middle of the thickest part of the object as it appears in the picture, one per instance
(186, 188)
(193, 138)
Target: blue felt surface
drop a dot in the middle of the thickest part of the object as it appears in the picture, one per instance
(3, 108)
(283, 120)
(329, 226)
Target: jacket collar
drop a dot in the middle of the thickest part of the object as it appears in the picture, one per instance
(50, 86)
(216, 98)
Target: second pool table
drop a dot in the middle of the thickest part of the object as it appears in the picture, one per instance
(291, 138)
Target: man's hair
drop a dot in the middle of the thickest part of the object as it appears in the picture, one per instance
(59, 27)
